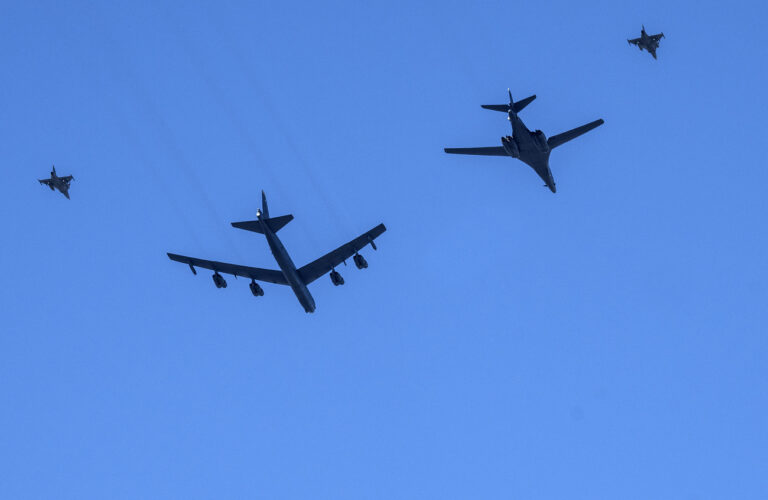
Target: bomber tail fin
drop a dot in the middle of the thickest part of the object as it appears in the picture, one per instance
(513, 106)
(264, 207)
(274, 223)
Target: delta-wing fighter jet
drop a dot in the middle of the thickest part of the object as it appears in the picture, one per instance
(297, 279)
(56, 182)
(647, 42)
(532, 148)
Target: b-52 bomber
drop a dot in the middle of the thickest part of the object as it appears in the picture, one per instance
(532, 148)
(647, 42)
(297, 279)
(56, 182)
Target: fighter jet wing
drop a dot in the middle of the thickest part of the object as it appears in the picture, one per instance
(267, 275)
(47, 182)
(67, 178)
(492, 151)
(559, 139)
(658, 37)
(319, 267)
(634, 41)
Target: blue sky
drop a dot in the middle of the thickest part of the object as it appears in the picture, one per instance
(606, 341)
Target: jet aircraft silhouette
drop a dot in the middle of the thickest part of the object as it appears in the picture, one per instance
(532, 148)
(297, 279)
(647, 42)
(56, 182)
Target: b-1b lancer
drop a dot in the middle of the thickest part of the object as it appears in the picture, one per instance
(56, 182)
(647, 42)
(532, 148)
(297, 279)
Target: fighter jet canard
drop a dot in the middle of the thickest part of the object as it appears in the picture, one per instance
(647, 42)
(297, 279)
(532, 148)
(56, 182)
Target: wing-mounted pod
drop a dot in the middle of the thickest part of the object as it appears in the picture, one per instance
(219, 280)
(541, 140)
(256, 290)
(510, 146)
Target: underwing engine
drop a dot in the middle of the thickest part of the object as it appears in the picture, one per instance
(360, 261)
(510, 146)
(336, 278)
(219, 280)
(256, 290)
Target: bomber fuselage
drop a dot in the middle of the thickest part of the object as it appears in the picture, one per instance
(288, 267)
(533, 149)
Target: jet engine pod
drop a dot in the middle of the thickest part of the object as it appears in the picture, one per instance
(219, 280)
(256, 290)
(336, 278)
(360, 261)
(541, 140)
(510, 146)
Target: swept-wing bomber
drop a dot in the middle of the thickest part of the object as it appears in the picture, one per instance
(56, 182)
(297, 279)
(647, 42)
(532, 148)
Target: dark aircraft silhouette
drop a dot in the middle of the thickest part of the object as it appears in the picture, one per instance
(297, 279)
(647, 42)
(532, 148)
(56, 182)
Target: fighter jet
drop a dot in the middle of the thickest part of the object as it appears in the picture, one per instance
(647, 42)
(532, 148)
(56, 182)
(297, 279)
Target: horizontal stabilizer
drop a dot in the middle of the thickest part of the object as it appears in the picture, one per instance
(274, 223)
(559, 139)
(519, 105)
(496, 107)
(516, 106)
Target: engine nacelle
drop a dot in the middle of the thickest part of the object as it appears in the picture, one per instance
(541, 140)
(360, 261)
(510, 146)
(336, 278)
(256, 290)
(219, 281)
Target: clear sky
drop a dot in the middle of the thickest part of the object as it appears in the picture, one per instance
(607, 341)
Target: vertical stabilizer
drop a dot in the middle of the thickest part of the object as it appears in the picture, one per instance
(264, 207)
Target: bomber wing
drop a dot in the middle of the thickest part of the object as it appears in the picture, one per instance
(559, 139)
(327, 262)
(491, 151)
(255, 273)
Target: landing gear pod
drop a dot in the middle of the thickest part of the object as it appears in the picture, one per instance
(336, 278)
(360, 261)
(219, 280)
(256, 290)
